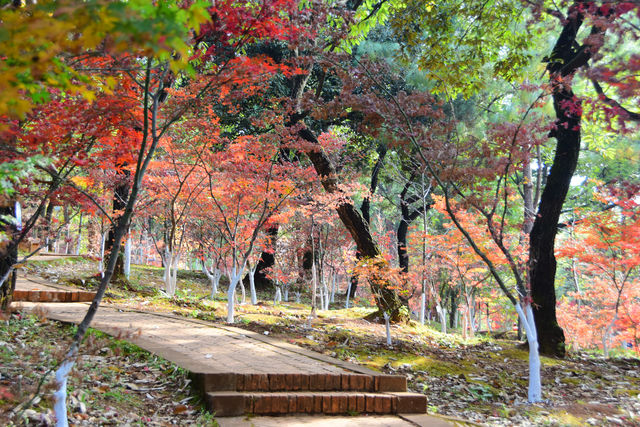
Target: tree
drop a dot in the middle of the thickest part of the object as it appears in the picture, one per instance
(604, 309)
(149, 71)
(261, 186)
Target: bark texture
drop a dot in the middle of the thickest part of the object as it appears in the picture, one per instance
(120, 196)
(386, 298)
(8, 257)
(566, 58)
(266, 261)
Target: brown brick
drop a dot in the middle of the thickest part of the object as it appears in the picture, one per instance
(240, 382)
(303, 381)
(386, 404)
(370, 405)
(332, 382)
(256, 382)
(345, 382)
(335, 404)
(352, 406)
(276, 382)
(411, 403)
(290, 382)
(317, 404)
(368, 383)
(343, 403)
(361, 404)
(293, 404)
(263, 382)
(219, 382)
(249, 401)
(262, 404)
(227, 404)
(317, 382)
(394, 404)
(305, 404)
(378, 405)
(326, 404)
(391, 383)
(249, 383)
(20, 295)
(357, 382)
(74, 297)
(279, 404)
(84, 296)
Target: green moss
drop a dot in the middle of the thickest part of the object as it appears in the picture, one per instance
(433, 367)
(511, 353)
(566, 419)
(261, 318)
(631, 392)
(571, 380)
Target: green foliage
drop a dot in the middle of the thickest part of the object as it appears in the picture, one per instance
(460, 46)
(13, 172)
(36, 40)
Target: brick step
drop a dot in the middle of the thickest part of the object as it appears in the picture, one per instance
(229, 404)
(299, 382)
(53, 296)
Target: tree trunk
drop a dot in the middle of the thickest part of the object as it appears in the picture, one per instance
(266, 261)
(385, 296)
(48, 234)
(120, 195)
(8, 257)
(566, 58)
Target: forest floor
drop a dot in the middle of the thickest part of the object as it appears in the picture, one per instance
(480, 379)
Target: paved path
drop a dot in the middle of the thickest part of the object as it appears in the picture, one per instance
(200, 346)
(214, 349)
(205, 347)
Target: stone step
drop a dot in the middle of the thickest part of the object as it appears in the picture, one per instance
(210, 382)
(52, 296)
(229, 404)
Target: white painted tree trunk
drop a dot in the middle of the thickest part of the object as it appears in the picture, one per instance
(423, 303)
(314, 293)
(298, 297)
(442, 314)
(60, 395)
(214, 278)
(464, 326)
(79, 240)
(235, 274)
(325, 295)
(334, 285)
(243, 295)
(606, 335)
(535, 384)
(252, 284)
(346, 304)
(277, 299)
(170, 272)
(166, 258)
(286, 292)
(127, 258)
(388, 328)
(102, 246)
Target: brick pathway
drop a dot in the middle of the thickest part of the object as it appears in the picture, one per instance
(243, 372)
(34, 289)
